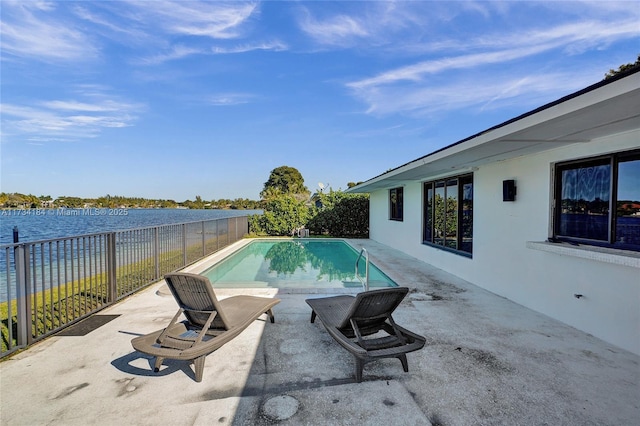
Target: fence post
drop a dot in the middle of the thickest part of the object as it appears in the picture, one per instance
(112, 265)
(184, 244)
(156, 251)
(204, 242)
(23, 313)
(217, 235)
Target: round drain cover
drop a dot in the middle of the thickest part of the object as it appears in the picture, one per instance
(280, 407)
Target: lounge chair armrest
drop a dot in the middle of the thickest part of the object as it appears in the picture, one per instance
(345, 342)
(411, 335)
(206, 326)
(184, 341)
(162, 335)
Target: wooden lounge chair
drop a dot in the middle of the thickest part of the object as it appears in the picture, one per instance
(349, 319)
(209, 324)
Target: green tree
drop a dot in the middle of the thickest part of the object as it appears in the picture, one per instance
(285, 180)
(199, 204)
(71, 202)
(623, 68)
(105, 201)
(281, 216)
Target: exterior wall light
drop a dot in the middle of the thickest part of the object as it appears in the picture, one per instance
(509, 190)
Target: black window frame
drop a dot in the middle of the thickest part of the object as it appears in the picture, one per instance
(611, 239)
(396, 204)
(463, 197)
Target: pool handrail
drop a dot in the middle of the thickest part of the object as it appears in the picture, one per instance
(365, 281)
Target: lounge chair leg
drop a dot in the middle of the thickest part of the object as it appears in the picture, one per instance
(157, 364)
(199, 366)
(405, 364)
(313, 316)
(271, 317)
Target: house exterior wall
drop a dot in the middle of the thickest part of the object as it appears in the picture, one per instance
(504, 263)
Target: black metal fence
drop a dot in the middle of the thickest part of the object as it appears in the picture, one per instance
(48, 285)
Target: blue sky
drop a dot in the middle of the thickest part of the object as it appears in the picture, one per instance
(170, 100)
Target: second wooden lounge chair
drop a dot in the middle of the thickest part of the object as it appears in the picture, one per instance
(349, 319)
(209, 324)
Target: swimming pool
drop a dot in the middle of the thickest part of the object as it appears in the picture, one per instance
(299, 263)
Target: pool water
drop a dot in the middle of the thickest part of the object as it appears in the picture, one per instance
(294, 264)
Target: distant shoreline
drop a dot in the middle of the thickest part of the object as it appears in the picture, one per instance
(18, 201)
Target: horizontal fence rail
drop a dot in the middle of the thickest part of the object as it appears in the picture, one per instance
(48, 285)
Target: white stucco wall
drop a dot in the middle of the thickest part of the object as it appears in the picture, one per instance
(502, 262)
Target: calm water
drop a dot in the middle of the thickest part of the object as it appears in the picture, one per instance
(44, 224)
(294, 264)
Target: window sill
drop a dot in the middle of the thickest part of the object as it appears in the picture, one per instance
(600, 254)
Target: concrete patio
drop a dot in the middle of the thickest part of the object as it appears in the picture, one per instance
(488, 361)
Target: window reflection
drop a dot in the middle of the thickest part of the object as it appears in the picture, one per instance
(628, 205)
(597, 201)
(585, 201)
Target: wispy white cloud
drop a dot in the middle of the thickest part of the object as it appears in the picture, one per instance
(180, 51)
(336, 30)
(436, 83)
(416, 72)
(217, 20)
(276, 46)
(184, 29)
(366, 25)
(175, 52)
(47, 32)
(481, 93)
(31, 30)
(399, 28)
(68, 119)
(228, 99)
(587, 32)
(106, 23)
(72, 105)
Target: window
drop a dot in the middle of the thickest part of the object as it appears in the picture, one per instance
(395, 204)
(448, 214)
(597, 201)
